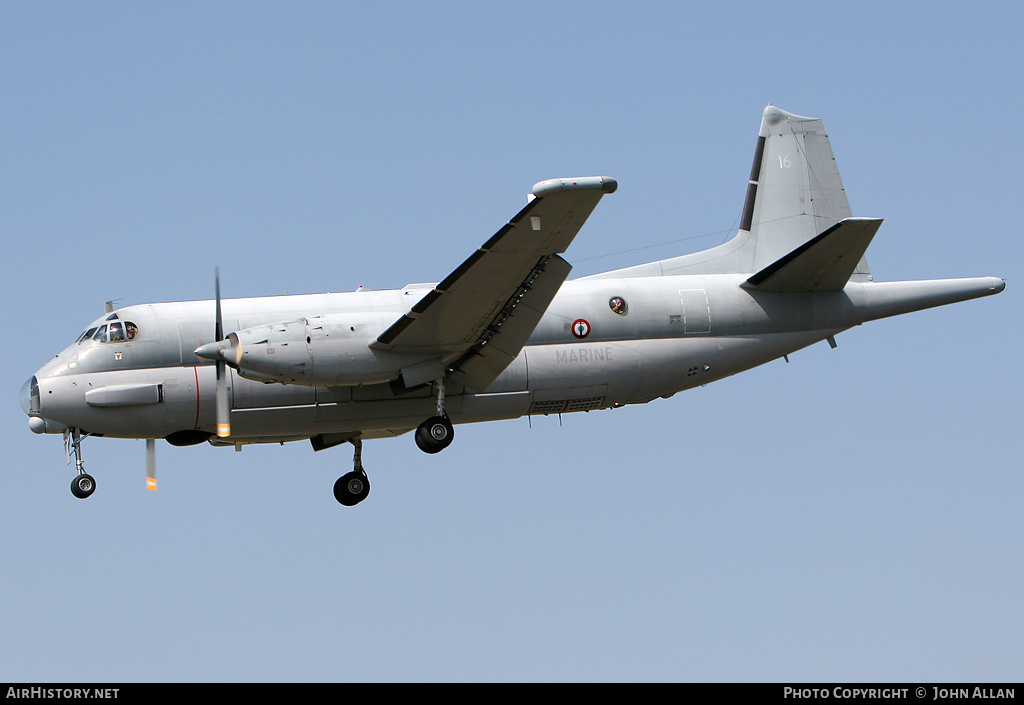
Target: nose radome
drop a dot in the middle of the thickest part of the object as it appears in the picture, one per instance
(30, 405)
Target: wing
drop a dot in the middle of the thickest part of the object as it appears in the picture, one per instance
(478, 319)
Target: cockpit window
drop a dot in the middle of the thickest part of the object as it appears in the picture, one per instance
(114, 332)
(112, 317)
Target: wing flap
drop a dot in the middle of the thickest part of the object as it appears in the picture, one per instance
(824, 263)
(503, 340)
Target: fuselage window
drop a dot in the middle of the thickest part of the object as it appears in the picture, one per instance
(618, 305)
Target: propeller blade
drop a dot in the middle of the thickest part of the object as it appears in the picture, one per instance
(151, 464)
(219, 332)
(223, 408)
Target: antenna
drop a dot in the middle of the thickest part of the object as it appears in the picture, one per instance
(108, 306)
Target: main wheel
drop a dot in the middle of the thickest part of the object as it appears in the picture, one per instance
(83, 485)
(352, 488)
(435, 434)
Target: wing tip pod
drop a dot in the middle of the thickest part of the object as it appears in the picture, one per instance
(604, 184)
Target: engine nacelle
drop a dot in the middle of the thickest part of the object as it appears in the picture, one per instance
(320, 351)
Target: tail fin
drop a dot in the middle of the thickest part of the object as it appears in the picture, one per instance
(793, 195)
(795, 192)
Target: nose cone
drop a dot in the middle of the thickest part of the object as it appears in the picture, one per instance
(30, 405)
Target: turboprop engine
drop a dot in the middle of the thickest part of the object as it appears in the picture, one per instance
(320, 351)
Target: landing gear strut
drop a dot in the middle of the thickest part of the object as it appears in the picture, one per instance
(436, 433)
(352, 487)
(83, 485)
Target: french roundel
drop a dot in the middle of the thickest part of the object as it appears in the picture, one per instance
(581, 328)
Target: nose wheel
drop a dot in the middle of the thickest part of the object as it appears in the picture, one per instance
(82, 486)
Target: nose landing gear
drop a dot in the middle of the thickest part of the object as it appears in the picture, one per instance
(83, 485)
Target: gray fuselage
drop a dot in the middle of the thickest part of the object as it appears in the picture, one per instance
(675, 332)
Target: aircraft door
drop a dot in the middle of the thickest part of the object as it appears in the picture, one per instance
(696, 311)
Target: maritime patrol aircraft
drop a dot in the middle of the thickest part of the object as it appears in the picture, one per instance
(503, 336)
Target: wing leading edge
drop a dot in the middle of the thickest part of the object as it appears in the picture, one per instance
(479, 317)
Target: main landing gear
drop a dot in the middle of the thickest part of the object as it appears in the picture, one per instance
(353, 487)
(432, 436)
(436, 433)
(83, 485)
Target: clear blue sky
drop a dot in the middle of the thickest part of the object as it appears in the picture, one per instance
(853, 515)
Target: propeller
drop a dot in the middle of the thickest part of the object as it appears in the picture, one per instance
(151, 464)
(218, 351)
(212, 351)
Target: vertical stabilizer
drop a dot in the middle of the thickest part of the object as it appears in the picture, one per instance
(793, 195)
(795, 192)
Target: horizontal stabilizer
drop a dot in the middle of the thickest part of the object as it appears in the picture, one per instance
(824, 263)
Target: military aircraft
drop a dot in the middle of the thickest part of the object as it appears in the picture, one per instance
(503, 336)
